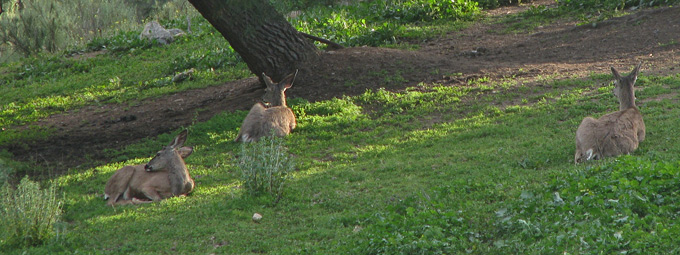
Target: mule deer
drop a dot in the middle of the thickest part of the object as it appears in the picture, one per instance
(165, 176)
(277, 119)
(616, 133)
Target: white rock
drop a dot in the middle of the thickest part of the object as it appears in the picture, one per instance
(154, 31)
(257, 217)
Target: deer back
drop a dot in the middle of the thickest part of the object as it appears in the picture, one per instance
(615, 133)
(277, 119)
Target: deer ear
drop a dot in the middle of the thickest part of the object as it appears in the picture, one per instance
(184, 152)
(179, 140)
(288, 81)
(635, 71)
(267, 81)
(616, 74)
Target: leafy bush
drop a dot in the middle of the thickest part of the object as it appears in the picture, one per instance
(206, 59)
(28, 214)
(627, 206)
(265, 166)
(404, 11)
(379, 22)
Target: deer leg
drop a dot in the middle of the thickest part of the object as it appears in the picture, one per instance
(577, 156)
(152, 194)
(137, 201)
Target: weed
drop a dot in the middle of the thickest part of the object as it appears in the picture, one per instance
(265, 166)
(28, 214)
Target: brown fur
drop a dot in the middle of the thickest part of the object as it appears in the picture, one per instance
(278, 119)
(166, 175)
(616, 133)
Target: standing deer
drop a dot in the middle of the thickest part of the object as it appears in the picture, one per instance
(277, 119)
(165, 176)
(616, 133)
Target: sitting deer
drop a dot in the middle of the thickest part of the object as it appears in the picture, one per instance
(165, 176)
(615, 133)
(277, 119)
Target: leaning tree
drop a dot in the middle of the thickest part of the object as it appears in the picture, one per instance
(262, 36)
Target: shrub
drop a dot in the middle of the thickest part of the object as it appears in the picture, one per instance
(52, 25)
(28, 214)
(419, 10)
(379, 22)
(265, 166)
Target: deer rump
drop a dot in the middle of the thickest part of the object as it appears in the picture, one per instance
(133, 185)
(261, 121)
(611, 135)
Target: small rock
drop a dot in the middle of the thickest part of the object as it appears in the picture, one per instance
(154, 31)
(257, 217)
(180, 77)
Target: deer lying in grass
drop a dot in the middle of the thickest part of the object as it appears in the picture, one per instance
(165, 176)
(615, 133)
(277, 119)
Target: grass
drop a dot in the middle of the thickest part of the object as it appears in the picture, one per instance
(406, 176)
(123, 69)
(432, 170)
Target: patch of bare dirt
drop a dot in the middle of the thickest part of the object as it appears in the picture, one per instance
(561, 49)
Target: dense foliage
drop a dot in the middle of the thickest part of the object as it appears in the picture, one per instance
(626, 206)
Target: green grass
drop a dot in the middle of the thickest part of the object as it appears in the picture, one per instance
(421, 172)
(131, 69)
(432, 170)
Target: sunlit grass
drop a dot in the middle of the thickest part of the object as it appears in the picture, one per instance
(357, 168)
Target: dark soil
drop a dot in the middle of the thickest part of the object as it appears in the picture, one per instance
(562, 49)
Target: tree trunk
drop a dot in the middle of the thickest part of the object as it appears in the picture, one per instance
(263, 37)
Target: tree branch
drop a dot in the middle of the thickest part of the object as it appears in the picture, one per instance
(331, 44)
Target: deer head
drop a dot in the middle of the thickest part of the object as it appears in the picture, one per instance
(623, 87)
(274, 93)
(170, 154)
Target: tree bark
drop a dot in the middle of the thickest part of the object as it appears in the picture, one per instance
(260, 35)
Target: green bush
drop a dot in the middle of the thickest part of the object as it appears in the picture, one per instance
(265, 166)
(406, 11)
(379, 22)
(28, 214)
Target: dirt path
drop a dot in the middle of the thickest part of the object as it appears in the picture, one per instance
(482, 50)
